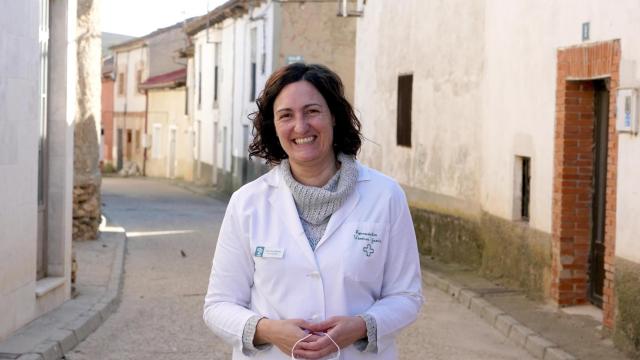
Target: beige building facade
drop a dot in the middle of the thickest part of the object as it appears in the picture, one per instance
(37, 113)
(505, 122)
(171, 137)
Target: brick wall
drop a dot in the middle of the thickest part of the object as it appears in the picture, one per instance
(573, 172)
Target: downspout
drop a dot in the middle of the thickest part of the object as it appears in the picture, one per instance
(146, 139)
(124, 120)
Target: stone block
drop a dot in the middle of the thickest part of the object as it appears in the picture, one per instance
(504, 323)
(105, 308)
(557, 354)
(466, 296)
(442, 284)
(454, 290)
(429, 279)
(490, 313)
(65, 338)
(537, 345)
(84, 325)
(49, 350)
(477, 305)
(30, 357)
(519, 334)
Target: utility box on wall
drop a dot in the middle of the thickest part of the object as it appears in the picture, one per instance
(627, 111)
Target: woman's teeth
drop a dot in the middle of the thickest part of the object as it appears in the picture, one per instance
(304, 140)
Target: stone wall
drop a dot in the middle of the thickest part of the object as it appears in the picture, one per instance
(87, 179)
(510, 252)
(627, 320)
(448, 238)
(86, 211)
(517, 254)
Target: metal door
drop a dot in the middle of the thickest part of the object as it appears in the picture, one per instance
(600, 140)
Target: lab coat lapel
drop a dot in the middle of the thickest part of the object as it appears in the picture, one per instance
(340, 215)
(284, 208)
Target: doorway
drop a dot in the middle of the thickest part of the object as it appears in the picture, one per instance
(585, 170)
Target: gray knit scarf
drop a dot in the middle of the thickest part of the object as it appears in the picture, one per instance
(316, 205)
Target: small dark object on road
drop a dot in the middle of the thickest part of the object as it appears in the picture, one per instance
(104, 245)
(184, 254)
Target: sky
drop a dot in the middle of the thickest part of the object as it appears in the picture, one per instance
(140, 17)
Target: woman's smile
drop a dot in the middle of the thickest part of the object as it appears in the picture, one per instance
(305, 140)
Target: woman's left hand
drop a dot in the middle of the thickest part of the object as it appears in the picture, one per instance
(344, 330)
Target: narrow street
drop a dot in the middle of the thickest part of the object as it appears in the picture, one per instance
(171, 238)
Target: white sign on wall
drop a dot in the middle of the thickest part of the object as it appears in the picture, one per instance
(294, 59)
(626, 111)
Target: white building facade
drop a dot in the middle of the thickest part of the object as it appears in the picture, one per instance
(506, 124)
(236, 47)
(37, 111)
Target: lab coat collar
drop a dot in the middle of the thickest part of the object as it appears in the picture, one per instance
(282, 201)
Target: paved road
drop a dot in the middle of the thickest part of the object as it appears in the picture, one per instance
(160, 314)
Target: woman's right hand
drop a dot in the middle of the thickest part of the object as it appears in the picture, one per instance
(283, 334)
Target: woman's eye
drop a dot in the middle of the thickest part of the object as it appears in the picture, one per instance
(284, 117)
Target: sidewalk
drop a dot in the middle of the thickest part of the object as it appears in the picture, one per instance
(100, 267)
(543, 330)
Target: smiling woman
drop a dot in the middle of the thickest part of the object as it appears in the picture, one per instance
(319, 255)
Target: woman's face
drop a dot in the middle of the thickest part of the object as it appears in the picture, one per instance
(304, 125)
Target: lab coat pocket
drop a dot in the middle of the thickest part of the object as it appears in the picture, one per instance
(365, 251)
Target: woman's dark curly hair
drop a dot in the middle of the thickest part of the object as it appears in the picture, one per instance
(346, 132)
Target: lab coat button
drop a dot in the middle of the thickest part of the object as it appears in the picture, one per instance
(314, 274)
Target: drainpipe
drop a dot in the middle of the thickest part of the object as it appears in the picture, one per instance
(146, 140)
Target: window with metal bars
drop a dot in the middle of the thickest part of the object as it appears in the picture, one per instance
(403, 126)
(525, 189)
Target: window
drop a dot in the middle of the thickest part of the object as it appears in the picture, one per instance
(121, 84)
(216, 71)
(522, 187)
(405, 93)
(254, 66)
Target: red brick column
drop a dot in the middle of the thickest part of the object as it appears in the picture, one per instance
(573, 172)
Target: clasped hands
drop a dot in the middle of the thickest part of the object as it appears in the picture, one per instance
(283, 334)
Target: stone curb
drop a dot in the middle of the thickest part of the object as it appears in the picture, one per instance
(90, 314)
(533, 343)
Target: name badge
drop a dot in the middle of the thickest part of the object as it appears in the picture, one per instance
(265, 252)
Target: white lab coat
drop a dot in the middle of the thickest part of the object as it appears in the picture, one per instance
(367, 261)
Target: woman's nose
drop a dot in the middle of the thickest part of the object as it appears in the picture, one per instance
(300, 123)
